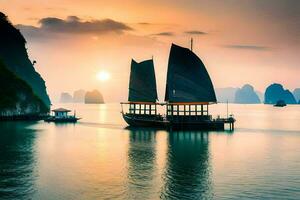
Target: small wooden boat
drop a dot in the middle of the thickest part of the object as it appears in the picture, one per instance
(61, 115)
(280, 103)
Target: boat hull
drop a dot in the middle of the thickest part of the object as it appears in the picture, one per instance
(144, 121)
(214, 125)
(62, 120)
(198, 125)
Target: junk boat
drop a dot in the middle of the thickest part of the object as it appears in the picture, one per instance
(189, 92)
(61, 115)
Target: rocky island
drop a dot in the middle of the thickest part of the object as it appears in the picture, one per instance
(23, 90)
(93, 97)
(78, 96)
(276, 92)
(246, 95)
(65, 98)
(17, 98)
(226, 94)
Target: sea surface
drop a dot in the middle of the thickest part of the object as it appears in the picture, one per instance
(98, 158)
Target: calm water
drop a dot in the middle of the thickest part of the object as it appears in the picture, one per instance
(98, 159)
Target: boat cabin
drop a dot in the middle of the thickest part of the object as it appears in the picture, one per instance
(61, 113)
(190, 111)
(142, 108)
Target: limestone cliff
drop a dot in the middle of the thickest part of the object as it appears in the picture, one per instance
(276, 92)
(14, 55)
(17, 97)
(246, 95)
(93, 97)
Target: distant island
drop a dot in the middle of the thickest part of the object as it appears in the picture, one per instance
(81, 96)
(65, 98)
(226, 94)
(275, 92)
(246, 95)
(78, 96)
(93, 97)
(22, 89)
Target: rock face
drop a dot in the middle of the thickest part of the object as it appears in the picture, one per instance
(226, 94)
(246, 95)
(276, 92)
(65, 98)
(297, 94)
(94, 97)
(78, 96)
(17, 97)
(14, 55)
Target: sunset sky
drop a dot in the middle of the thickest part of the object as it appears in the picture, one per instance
(240, 41)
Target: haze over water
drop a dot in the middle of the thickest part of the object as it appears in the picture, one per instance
(98, 159)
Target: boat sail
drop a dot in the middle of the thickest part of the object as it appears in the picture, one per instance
(187, 78)
(142, 85)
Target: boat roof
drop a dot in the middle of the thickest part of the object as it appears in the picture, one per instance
(61, 110)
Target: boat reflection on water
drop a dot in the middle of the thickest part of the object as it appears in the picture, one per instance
(188, 170)
(141, 164)
(185, 174)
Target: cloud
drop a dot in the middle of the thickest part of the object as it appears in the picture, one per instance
(248, 47)
(195, 32)
(164, 34)
(73, 25)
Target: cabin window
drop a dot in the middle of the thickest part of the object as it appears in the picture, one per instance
(193, 107)
(181, 110)
(137, 106)
(169, 107)
(187, 108)
(131, 108)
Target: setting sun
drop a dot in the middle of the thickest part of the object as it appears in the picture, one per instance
(103, 76)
